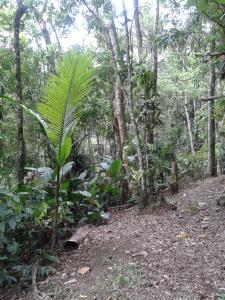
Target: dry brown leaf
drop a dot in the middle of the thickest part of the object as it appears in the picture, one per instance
(84, 270)
(183, 235)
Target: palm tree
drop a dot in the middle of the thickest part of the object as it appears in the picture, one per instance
(60, 109)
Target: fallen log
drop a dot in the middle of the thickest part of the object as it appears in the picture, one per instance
(75, 240)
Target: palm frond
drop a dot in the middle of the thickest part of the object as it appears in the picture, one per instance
(63, 95)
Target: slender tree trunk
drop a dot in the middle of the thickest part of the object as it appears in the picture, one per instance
(56, 35)
(220, 157)
(189, 124)
(155, 51)
(174, 183)
(119, 108)
(118, 92)
(21, 9)
(45, 33)
(150, 107)
(212, 169)
(138, 29)
(131, 108)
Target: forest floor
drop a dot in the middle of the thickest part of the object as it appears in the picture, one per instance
(161, 254)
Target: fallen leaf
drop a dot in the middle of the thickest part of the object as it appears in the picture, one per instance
(183, 235)
(70, 281)
(84, 270)
(142, 253)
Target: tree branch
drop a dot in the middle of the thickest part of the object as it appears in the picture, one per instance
(214, 54)
(210, 98)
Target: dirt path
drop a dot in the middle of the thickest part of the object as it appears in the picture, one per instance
(161, 255)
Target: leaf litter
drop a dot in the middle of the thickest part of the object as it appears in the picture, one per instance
(164, 254)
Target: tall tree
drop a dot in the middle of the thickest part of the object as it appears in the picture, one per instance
(212, 167)
(189, 123)
(138, 29)
(119, 106)
(150, 108)
(155, 50)
(144, 200)
(21, 9)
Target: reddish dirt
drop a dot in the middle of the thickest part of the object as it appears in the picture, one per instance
(164, 254)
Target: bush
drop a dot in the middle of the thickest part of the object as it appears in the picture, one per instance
(23, 232)
(192, 167)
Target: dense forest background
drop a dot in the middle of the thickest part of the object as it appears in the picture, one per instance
(133, 112)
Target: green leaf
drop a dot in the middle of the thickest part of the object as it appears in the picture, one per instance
(3, 258)
(64, 185)
(190, 3)
(63, 96)
(49, 257)
(40, 211)
(83, 193)
(64, 150)
(202, 4)
(66, 168)
(45, 173)
(13, 247)
(12, 223)
(2, 227)
(115, 167)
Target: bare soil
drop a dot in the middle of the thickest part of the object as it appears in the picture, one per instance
(161, 254)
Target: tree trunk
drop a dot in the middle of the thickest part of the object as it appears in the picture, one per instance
(130, 108)
(155, 51)
(19, 94)
(189, 124)
(174, 183)
(212, 169)
(220, 157)
(56, 35)
(138, 29)
(119, 109)
(150, 107)
(45, 33)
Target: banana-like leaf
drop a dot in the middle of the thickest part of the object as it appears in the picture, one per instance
(63, 95)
